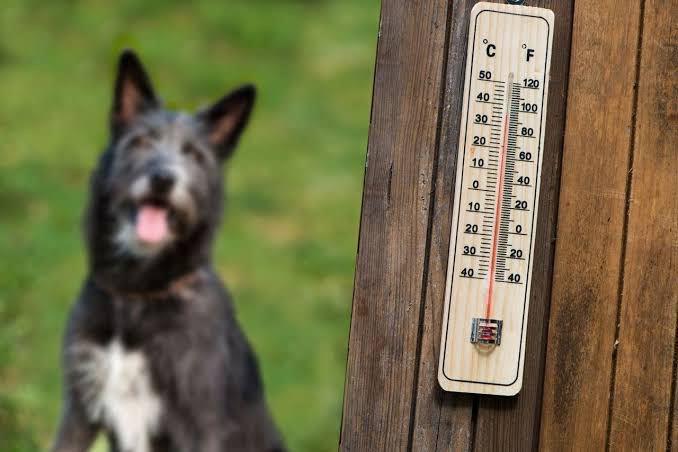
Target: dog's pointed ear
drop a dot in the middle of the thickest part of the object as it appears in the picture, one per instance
(224, 121)
(133, 93)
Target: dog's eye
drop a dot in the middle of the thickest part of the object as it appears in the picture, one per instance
(190, 149)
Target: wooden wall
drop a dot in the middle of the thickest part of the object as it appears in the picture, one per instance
(600, 369)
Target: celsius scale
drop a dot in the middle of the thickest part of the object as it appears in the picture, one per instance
(496, 198)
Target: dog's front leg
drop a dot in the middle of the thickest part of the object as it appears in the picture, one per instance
(76, 433)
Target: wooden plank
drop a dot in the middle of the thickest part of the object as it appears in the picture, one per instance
(642, 389)
(590, 225)
(442, 419)
(383, 342)
(513, 423)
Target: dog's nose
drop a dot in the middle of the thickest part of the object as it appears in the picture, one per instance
(162, 180)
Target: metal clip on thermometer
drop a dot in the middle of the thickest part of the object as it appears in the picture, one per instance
(496, 198)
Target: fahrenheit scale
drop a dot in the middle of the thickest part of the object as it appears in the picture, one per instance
(496, 197)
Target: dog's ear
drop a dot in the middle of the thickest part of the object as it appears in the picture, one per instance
(225, 120)
(133, 93)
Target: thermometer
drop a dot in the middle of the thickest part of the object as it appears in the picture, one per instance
(494, 219)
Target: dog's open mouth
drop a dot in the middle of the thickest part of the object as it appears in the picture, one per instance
(149, 224)
(152, 223)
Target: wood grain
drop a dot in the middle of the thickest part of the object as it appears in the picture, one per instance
(443, 420)
(615, 257)
(513, 424)
(590, 225)
(642, 389)
(385, 320)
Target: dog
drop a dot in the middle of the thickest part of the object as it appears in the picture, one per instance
(153, 354)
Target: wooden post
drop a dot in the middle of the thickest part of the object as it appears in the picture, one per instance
(615, 242)
(645, 372)
(590, 225)
(391, 263)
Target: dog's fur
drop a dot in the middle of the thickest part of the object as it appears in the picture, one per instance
(153, 354)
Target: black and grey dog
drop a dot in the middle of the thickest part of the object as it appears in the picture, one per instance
(153, 354)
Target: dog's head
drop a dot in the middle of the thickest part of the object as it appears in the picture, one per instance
(164, 171)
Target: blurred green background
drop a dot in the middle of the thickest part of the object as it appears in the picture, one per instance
(287, 246)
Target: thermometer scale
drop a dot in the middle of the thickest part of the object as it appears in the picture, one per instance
(496, 198)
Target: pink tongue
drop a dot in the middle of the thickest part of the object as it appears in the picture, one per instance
(151, 224)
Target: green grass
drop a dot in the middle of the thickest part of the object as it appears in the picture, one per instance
(287, 246)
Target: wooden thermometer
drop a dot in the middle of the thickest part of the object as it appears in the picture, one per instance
(499, 161)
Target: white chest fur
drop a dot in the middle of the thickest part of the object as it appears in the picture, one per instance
(118, 393)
